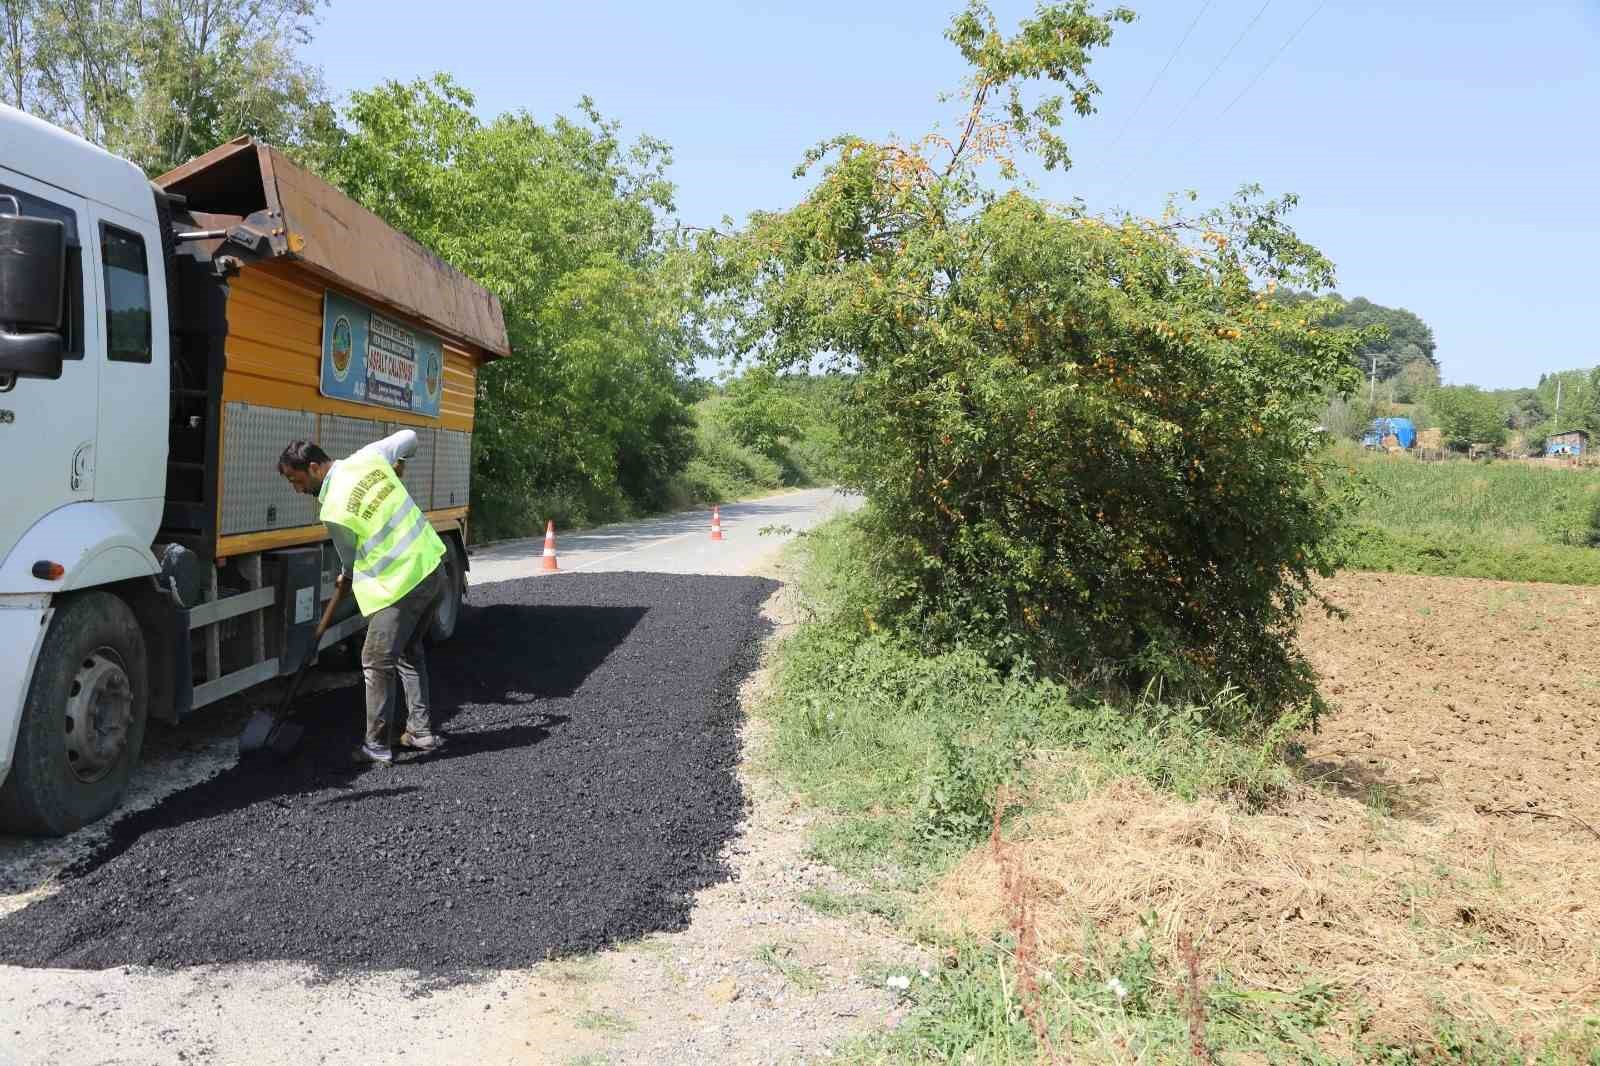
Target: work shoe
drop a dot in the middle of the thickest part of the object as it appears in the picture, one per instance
(375, 754)
(421, 741)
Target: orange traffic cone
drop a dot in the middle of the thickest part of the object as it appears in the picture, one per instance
(716, 523)
(550, 545)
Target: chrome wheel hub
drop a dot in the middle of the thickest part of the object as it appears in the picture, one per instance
(99, 714)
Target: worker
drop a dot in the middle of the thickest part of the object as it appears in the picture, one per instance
(391, 558)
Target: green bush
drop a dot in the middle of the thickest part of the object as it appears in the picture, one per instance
(1087, 443)
(721, 468)
(912, 749)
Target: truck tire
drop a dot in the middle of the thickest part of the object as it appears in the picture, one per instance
(449, 613)
(83, 720)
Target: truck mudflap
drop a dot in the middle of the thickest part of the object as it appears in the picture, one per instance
(23, 621)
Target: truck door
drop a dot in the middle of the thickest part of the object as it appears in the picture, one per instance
(134, 404)
(47, 428)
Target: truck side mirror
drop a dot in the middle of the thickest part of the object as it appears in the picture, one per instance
(33, 263)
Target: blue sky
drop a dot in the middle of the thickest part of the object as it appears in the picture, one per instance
(1445, 153)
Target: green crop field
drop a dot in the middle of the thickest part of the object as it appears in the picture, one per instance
(1516, 521)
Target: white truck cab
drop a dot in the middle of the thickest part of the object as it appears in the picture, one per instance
(81, 308)
(150, 560)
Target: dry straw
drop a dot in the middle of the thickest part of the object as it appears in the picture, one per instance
(1470, 914)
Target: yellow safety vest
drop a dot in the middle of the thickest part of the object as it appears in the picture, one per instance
(396, 547)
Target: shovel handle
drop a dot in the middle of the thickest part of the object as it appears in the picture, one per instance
(327, 612)
(326, 620)
(316, 643)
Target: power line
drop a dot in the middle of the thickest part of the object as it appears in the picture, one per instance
(1196, 95)
(1157, 79)
(1262, 72)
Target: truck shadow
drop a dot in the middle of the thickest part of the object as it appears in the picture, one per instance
(562, 646)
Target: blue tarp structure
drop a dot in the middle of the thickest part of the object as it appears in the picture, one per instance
(1400, 428)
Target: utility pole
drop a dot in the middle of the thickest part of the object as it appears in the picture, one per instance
(1372, 380)
(1558, 405)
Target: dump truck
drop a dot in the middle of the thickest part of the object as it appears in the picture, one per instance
(160, 343)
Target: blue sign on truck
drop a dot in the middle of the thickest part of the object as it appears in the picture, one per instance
(368, 357)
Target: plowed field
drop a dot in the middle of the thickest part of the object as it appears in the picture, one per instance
(1455, 695)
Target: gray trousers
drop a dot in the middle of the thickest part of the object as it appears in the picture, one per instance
(394, 644)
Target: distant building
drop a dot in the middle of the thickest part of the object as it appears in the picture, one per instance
(1382, 430)
(1574, 442)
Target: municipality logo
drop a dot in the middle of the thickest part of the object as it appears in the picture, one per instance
(340, 348)
(431, 375)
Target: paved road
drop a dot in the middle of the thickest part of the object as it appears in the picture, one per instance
(671, 544)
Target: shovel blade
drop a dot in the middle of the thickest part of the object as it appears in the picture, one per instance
(266, 732)
(256, 733)
(285, 738)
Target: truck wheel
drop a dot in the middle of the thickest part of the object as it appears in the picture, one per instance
(449, 613)
(83, 720)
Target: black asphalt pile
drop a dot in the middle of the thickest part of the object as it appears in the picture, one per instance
(586, 791)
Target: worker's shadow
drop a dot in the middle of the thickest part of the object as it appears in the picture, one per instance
(478, 741)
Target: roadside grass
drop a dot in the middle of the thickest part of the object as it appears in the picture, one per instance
(1505, 520)
(1122, 1007)
(1061, 851)
(779, 958)
(881, 904)
(604, 1021)
(911, 751)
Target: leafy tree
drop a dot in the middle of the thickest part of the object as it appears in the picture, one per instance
(760, 414)
(1467, 415)
(788, 418)
(1527, 410)
(1087, 443)
(1390, 336)
(159, 81)
(566, 224)
(1415, 379)
(18, 61)
(1535, 412)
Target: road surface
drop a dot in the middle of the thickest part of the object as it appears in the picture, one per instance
(305, 911)
(671, 544)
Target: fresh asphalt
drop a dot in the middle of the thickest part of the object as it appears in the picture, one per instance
(585, 794)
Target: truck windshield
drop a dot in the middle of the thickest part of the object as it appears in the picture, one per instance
(42, 208)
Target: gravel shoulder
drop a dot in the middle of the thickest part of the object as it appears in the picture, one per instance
(740, 972)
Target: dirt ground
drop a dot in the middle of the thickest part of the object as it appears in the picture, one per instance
(1439, 857)
(1455, 694)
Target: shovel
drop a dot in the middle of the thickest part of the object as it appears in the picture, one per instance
(272, 730)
